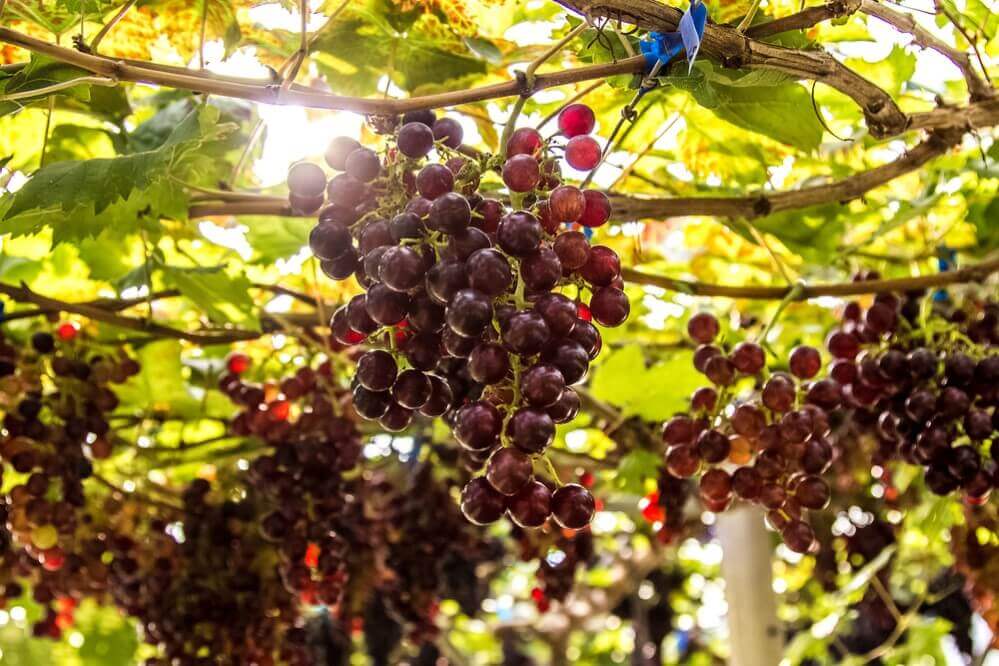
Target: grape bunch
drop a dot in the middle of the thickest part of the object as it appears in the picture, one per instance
(300, 479)
(769, 447)
(56, 399)
(207, 591)
(473, 310)
(926, 386)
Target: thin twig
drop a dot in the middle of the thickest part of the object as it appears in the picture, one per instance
(111, 24)
(973, 273)
(145, 499)
(62, 85)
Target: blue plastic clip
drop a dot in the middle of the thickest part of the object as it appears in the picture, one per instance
(946, 260)
(661, 47)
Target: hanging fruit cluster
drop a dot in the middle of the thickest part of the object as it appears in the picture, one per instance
(477, 310)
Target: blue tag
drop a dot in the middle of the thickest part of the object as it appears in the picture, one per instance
(691, 28)
(661, 47)
(588, 232)
(946, 260)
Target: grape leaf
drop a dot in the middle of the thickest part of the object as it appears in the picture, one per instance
(274, 238)
(223, 297)
(757, 102)
(78, 199)
(652, 393)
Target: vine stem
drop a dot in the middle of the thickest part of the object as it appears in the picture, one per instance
(551, 469)
(111, 24)
(793, 295)
(62, 85)
(747, 20)
(511, 122)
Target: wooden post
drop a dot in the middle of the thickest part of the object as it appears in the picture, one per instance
(755, 636)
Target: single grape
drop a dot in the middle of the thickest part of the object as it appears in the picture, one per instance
(508, 470)
(415, 139)
(716, 484)
(450, 213)
(423, 116)
(338, 150)
(576, 119)
(566, 408)
(748, 420)
(582, 153)
(602, 266)
(747, 483)
(812, 492)
(531, 430)
(371, 404)
(748, 358)
(363, 164)
(804, 362)
(679, 431)
(573, 250)
(396, 418)
(386, 306)
(779, 393)
(798, 535)
(566, 204)
(487, 215)
(434, 180)
(305, 205)
(526, 333)
(469, 312)
(720, 371)
(541, 270)
(481, 503)
(542, 385)
(488, 363)
(489, 272)
(531, 506)
(683, 461)
(440, 398)
(376, 370)
(401, 268)
(524, 141)
(704, 399)
(572, 506)
(306, 179)
(521, 173)
(558, 311)
(703, 327)
(449, 131)
(519, 233)
(412, 389)
(610, 306)
(477, 426)
(597, 210)
(713, 446)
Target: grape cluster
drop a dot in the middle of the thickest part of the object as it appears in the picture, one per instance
(927, 387)
(56, 398)
(205, 587)
(769, 448)
(300, 478)
(922, 379)
(464, 301)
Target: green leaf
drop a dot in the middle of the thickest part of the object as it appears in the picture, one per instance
(889, 73)
(224, 298)
(635, 468)
(274, 238)
(40, 72)
(763, 104)
(369, 42)
(162, 386)
(79, 199)
(651, 393)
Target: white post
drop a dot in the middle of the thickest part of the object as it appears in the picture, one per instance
(755, 636)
